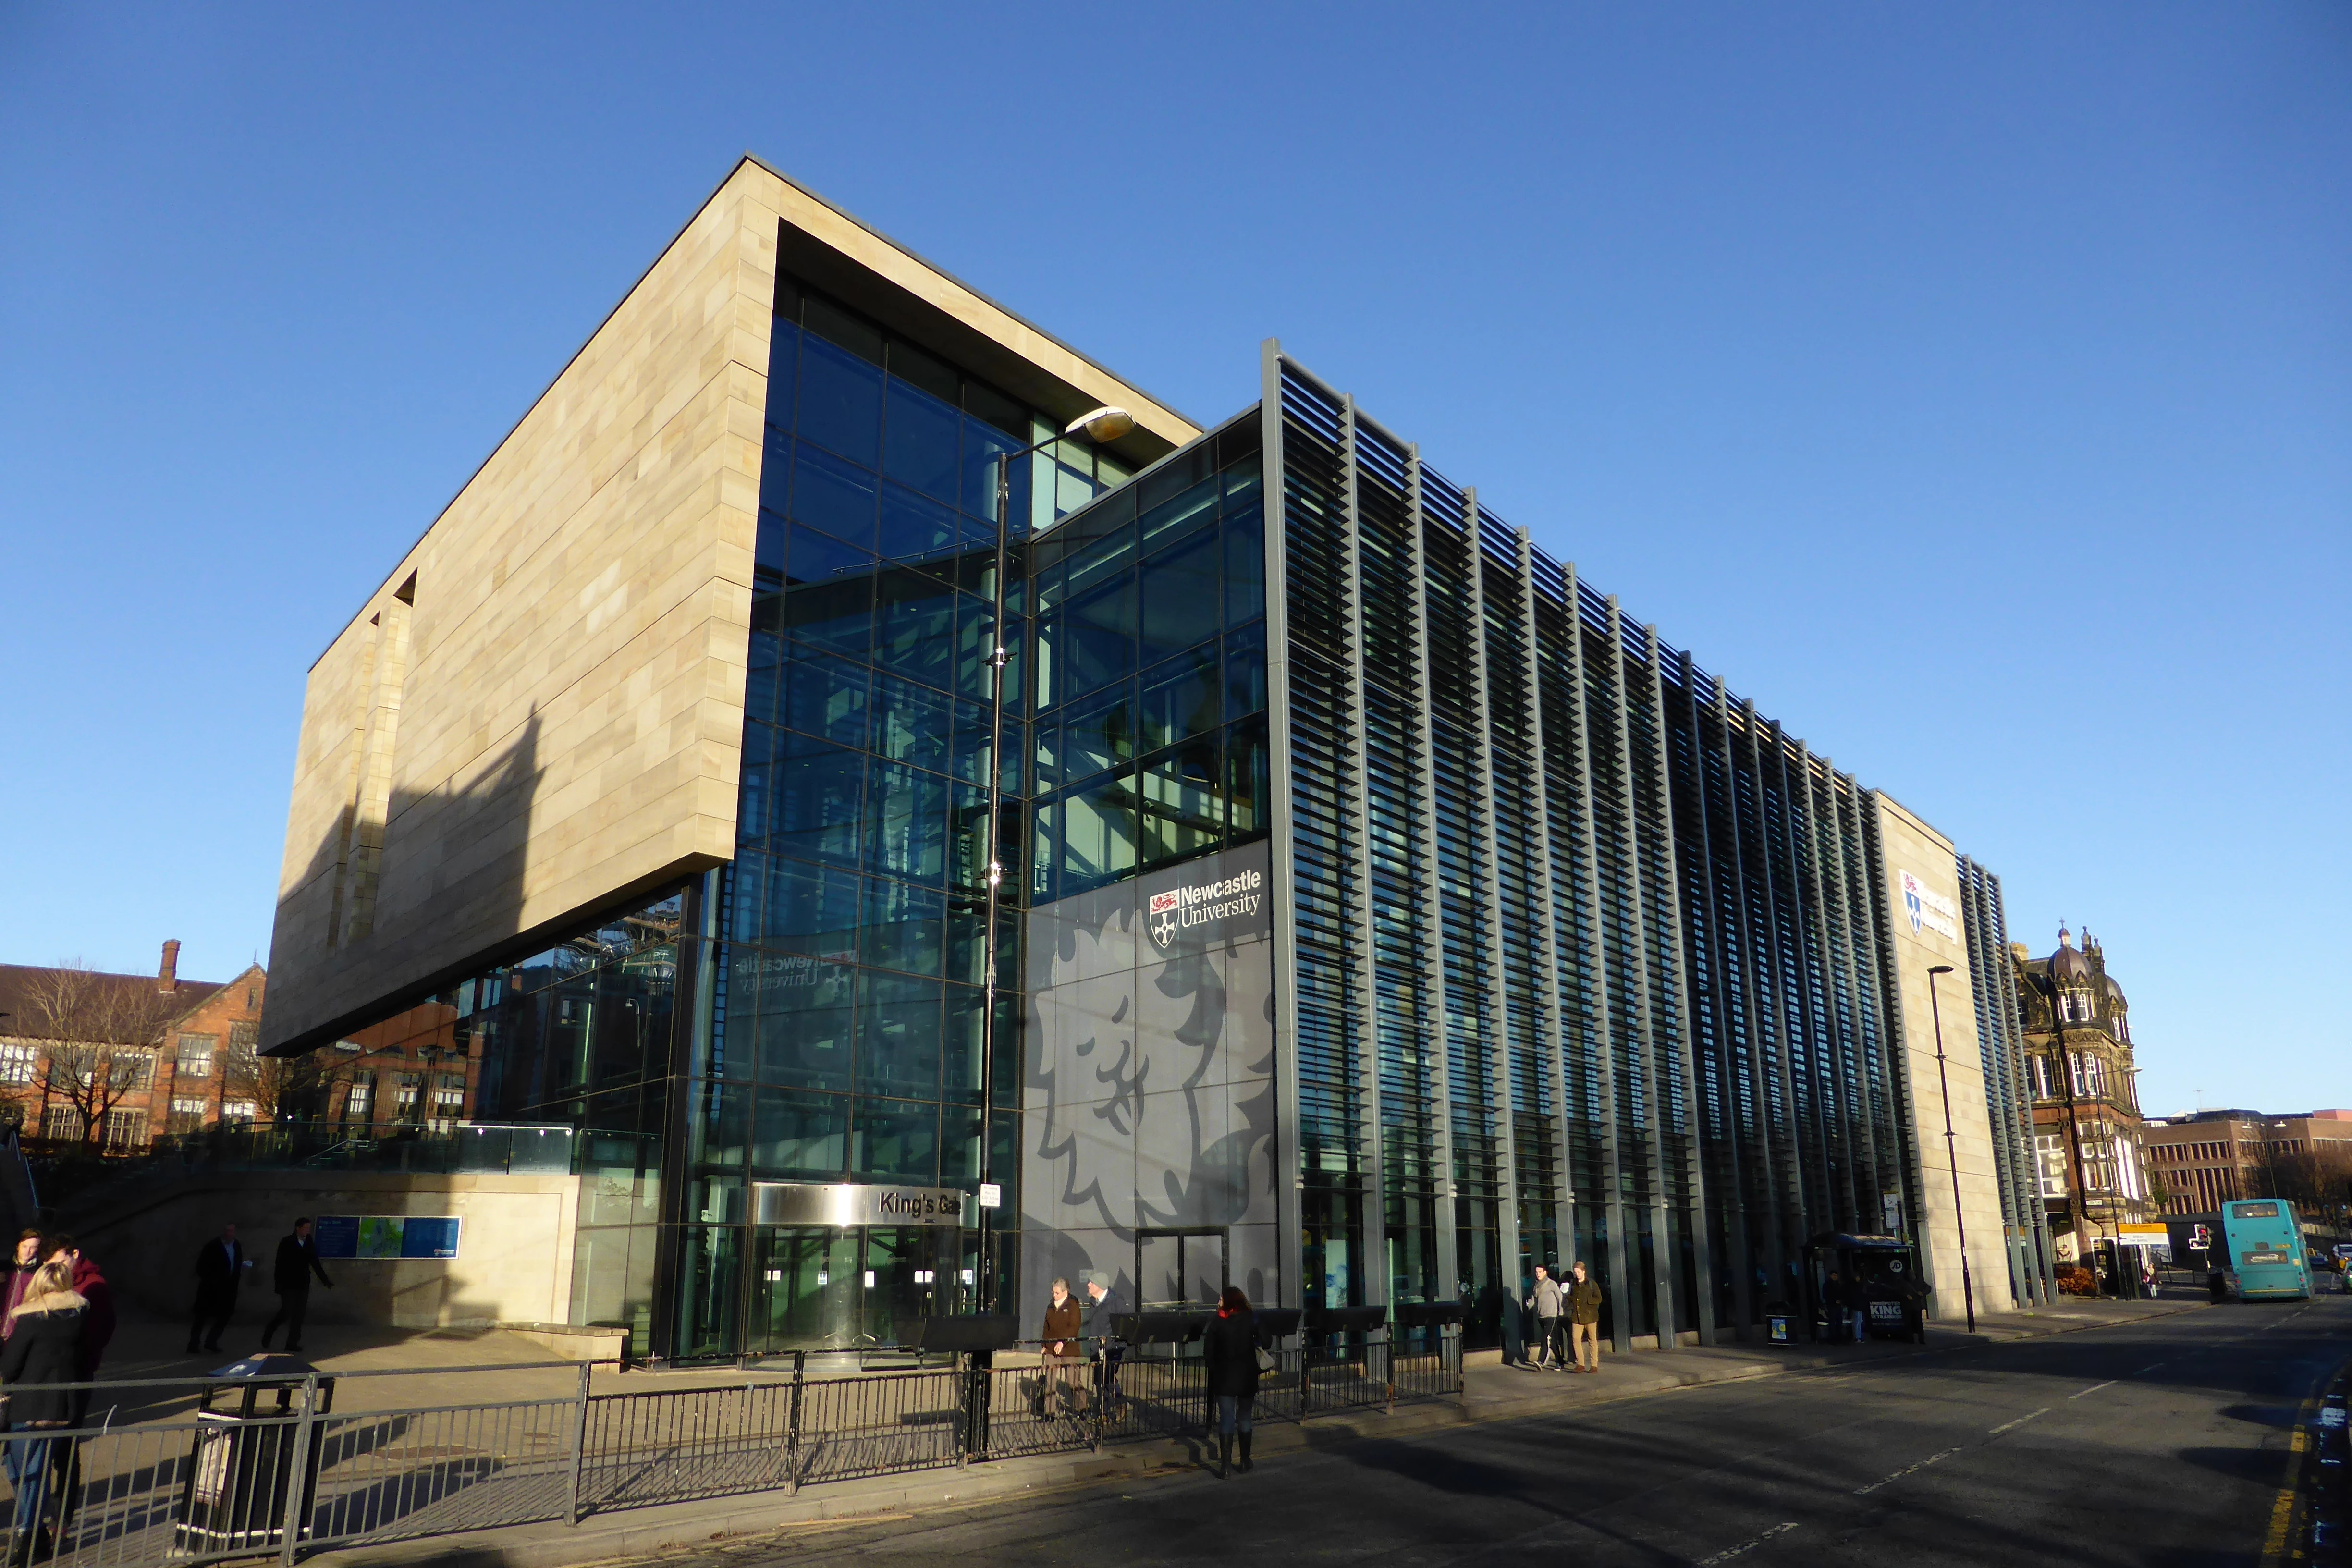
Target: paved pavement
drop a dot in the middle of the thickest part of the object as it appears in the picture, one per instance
(1438, 1435)
(2156, 1441)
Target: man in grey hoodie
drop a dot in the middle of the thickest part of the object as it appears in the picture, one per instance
(1546, 1299)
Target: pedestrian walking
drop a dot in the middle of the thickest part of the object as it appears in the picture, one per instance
(1230, 1346)
(1548, 1305)
(221, 1264)
(28, 1257)
(98, 1316)
(1060, 1344)
(1102, 1327)
(1584, 1319)
(297, 1263)
(44, 1347)
(25, 1265)
(97, 1333)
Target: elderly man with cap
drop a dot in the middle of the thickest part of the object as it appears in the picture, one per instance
(1105, 1306)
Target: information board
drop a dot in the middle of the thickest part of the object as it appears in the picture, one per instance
(337, 1235)
(371, 1235)
(429, 1238)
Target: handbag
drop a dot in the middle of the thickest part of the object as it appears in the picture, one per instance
(1265, 1362)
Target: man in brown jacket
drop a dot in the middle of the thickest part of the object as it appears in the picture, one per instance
(1060, 1349)
(1584, 1321)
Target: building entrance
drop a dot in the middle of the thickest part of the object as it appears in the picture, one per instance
(1181, 1266)
(857, 1289)
(823, 1286)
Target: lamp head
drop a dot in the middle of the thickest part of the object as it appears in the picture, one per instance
(1941, 969)
(1105, 423)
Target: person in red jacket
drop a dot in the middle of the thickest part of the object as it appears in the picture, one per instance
(97, 1317)
(97, 1331)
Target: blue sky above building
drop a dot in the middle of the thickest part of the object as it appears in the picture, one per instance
(1973, 394)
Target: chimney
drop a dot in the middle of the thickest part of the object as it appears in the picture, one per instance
(167, 979)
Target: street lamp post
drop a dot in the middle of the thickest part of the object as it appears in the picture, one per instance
(1951, 1146)
(1101, 425)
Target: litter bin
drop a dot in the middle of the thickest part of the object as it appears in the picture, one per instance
(240, 1470)
(1778, 1322)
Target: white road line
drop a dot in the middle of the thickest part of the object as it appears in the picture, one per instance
(1748, 1544)
(2093, 1388)
(2018, 1421)
(2146, 1369)
(1908, 1470)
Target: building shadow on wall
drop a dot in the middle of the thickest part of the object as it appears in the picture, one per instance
(389, 911)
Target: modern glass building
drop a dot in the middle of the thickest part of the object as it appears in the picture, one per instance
(1389, 912)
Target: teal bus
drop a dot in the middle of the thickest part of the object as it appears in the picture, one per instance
(2266, 1250)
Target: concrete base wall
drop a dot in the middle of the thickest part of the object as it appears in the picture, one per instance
(513, 1262)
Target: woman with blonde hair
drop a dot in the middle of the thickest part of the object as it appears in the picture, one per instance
(44, 1347)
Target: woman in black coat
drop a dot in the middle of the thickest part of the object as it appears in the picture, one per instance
(1230, 1346)
(44, 1347)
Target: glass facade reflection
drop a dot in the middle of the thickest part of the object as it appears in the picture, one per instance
(1590, 961)
(569, 1047)
(1379, 899)
(1149, 692)
(846, 1026)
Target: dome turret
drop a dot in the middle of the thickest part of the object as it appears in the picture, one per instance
(2068, 968)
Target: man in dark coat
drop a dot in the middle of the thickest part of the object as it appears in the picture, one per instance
(297, 1260)
(1102, 1327)
(221, 1264)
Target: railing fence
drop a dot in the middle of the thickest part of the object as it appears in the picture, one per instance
(303, 1477)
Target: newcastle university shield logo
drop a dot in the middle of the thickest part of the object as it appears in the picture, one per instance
(1911, 902)
(1163, 916)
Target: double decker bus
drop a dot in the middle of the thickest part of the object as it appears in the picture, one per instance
(2265, 1242)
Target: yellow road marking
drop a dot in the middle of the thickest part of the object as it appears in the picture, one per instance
(2278, 1544)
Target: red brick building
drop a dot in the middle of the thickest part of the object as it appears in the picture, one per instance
(118, 1060)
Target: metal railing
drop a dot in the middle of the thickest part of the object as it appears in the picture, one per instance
(208, 1485)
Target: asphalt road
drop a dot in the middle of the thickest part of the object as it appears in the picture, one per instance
(2161, 1444)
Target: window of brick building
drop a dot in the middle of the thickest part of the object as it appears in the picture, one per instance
(359, 1104)
(126, 1129)
(239, 1113)
(197, 1055)
(244, 1035)
(188, 1115)
(18, 1063)
(61, 1124)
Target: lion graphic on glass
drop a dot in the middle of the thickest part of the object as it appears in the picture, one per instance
(1148, 1087)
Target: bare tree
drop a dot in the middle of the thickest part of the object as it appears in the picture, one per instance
(276, 1085)
(2315, 1178)
(97, 1035)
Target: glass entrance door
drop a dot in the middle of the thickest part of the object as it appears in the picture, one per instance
(918, 1271)
(805, 1288)
(819, 1288)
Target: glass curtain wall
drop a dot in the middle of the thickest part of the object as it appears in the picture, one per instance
(845, 1027)
(576, 1036)
(1149, 690)
(1588, 959)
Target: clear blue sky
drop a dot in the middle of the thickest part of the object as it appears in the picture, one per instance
(1972, 387)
